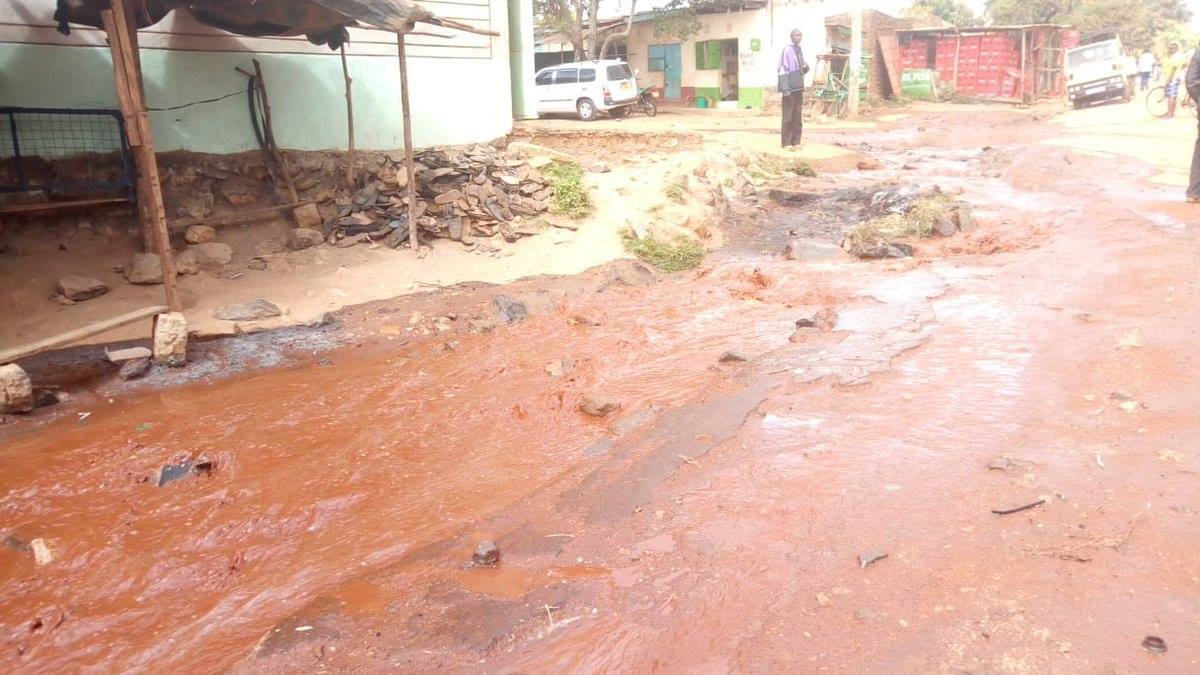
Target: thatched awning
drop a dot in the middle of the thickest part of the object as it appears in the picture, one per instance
(322, 21)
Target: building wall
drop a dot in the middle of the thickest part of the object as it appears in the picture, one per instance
(755, 68)
(460, 87)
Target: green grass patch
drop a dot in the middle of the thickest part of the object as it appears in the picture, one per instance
(570, 196)
(677, 256)
(779, 164)
(675, 193)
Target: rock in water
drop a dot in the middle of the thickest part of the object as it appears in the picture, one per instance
(945, 227)
(248, 311)
(213, 255)
(79, 288)
(733, 356)
(16, 390)
(170, 339)
(144, 268)
(135, 369)
(881, 251)
(303, 237)
(597, 405)
(486, 553)
(199, 234)
(510, 311)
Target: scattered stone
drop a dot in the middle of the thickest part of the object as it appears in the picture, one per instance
(45, 397)
(199, 234)
(16, 390)
(248, 311)
(63, 300)
(42, 554)
(581, 320)
(269, 246)
(598, 405)
(965, 218)
(600, 167)
(869, 164)
(134, 370)
(173, 472)
(79, 288)
(187, 262)
(870, 558)
(170, 339)
(257, 264)
(127, 354)
(301, 238)
(486, 553)
(308, 217)
(213, 255)
(824, 320)
(732, 356)
(144, 268)
(811, 249)
(881, 251)
(945, 227)
(558, 367)
(824, 600)
(511, 311)
(540, 162)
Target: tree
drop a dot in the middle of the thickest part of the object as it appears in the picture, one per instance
(1137, 21)
(953, 11)
(578, 22)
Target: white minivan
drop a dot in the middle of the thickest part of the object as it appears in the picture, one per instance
(586, 88)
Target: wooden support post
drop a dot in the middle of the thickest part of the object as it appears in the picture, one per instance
(409, 162)
(269, 133)
(127, 79)
(957, 55)
(351, 160)
(1024, 35)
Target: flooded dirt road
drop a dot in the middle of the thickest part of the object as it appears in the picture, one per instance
(730, 517)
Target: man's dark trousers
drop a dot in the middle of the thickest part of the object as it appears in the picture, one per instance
(793, 118)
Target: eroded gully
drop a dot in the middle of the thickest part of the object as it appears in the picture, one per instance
(715, 523)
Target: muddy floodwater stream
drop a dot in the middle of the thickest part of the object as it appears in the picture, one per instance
(718, 521)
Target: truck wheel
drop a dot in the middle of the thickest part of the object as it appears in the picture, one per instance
(586, 109)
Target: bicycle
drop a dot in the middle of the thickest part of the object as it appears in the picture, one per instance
(1158, 105)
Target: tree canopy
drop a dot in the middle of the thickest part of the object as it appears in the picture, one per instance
(1139, 21)
(953, 11)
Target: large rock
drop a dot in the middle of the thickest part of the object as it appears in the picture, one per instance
(303, 237)
(187, 262)
(964, 218)
(199, 234)
(945, 227)
(213, 255)
(144, 268)
(307, 216)
(248, 311)
(81, 288)
(881, 251)
(170, 339)
(134, 369)
(16, 391)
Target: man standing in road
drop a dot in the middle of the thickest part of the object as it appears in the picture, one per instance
(1192, 80)
(1173, 68)
(1145, 68)
(791, 84)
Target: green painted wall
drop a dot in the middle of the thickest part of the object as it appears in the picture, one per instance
(750, 97)
(454, 100)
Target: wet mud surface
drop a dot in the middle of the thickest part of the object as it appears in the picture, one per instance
(716, 521)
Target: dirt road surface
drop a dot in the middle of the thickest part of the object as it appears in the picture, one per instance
(730, 516)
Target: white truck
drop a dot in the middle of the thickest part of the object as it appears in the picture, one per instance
(1099, 71)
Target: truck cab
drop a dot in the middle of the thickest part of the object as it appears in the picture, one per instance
(1099, 71)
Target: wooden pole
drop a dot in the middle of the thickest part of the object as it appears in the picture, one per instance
(957, 55)
(351, 160)
(1023, 65)
(269, 133)
(856, 57)
(409, 162)
(134, 78)
(128, 79)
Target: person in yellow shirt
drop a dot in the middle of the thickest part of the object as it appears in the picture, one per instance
(1174, 68)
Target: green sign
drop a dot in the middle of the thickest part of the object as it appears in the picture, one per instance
(755, 44)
